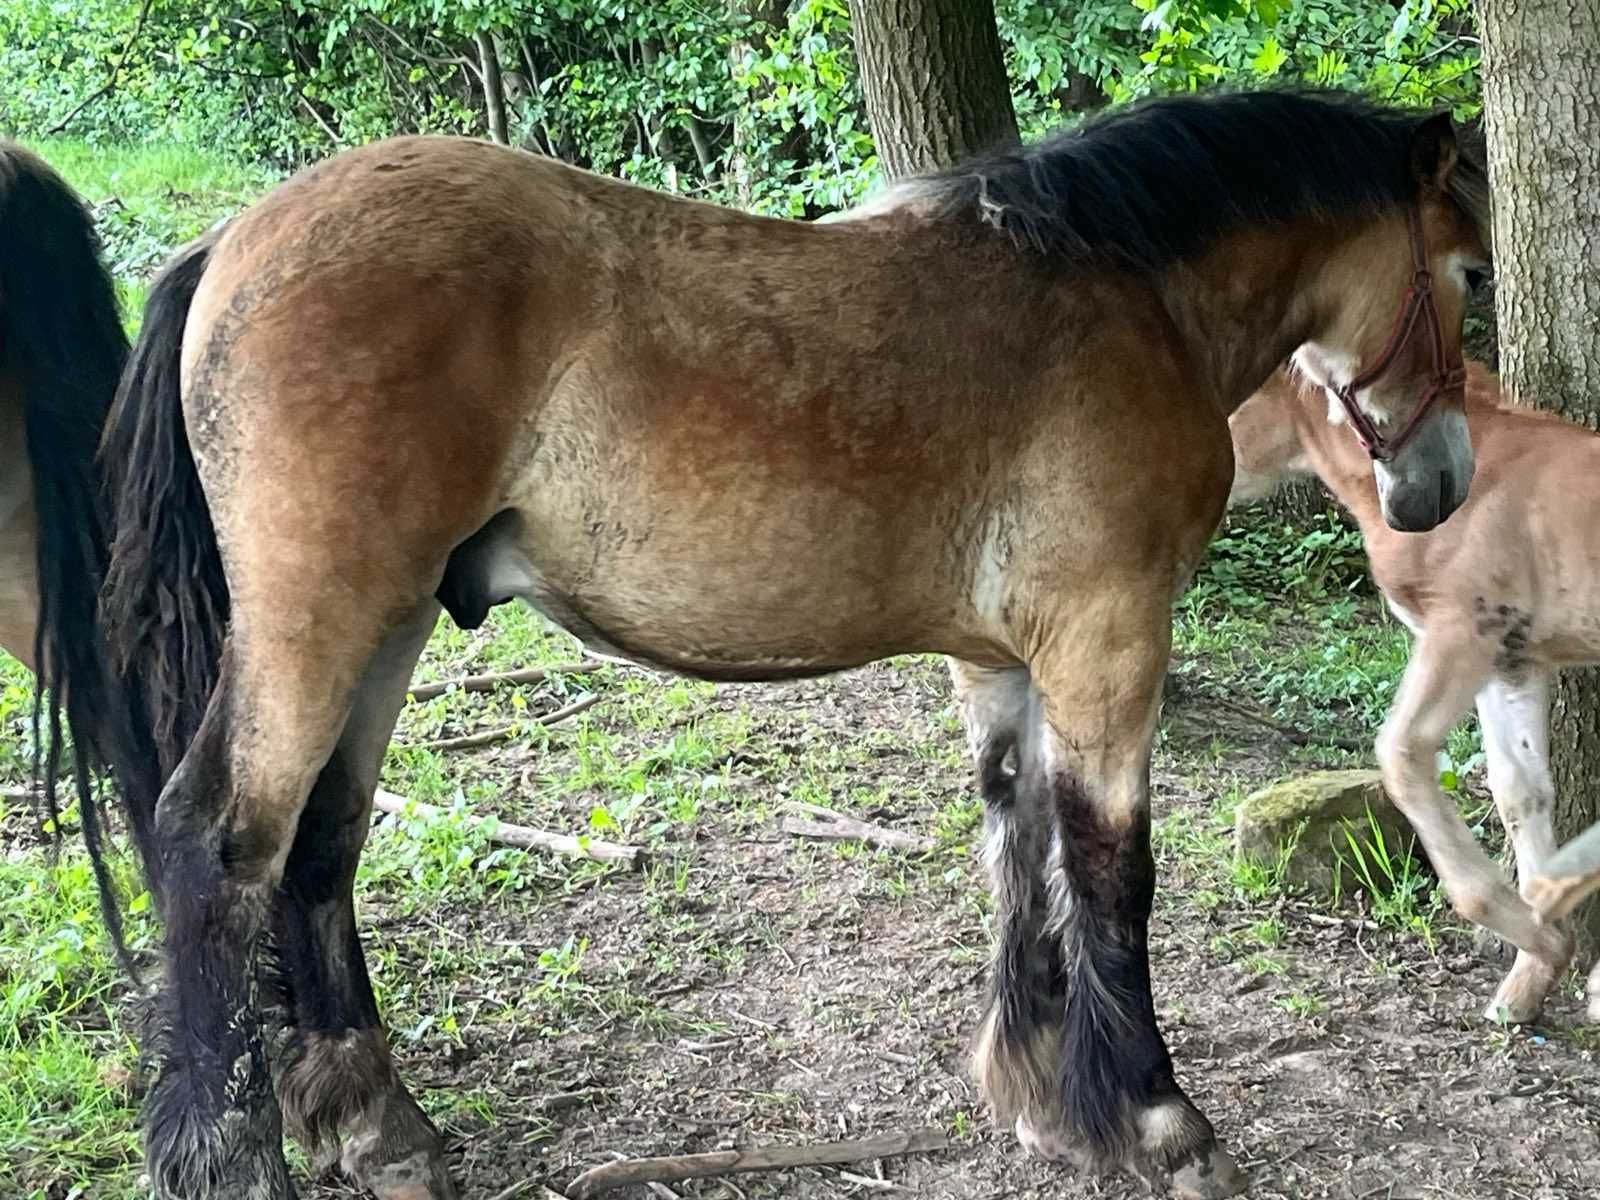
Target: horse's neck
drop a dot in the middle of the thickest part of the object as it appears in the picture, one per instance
(1243, 308)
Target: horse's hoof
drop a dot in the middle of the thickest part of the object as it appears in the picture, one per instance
(422, 1176)
(1051, 1143)
(1210, 1175)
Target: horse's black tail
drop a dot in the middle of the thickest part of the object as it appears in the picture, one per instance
(164, 606)
(61, 335)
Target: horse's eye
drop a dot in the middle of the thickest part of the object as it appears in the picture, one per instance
(1476, 278)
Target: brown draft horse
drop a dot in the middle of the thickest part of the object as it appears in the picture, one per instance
(1499, 598)
(62, 350)
(987, 419)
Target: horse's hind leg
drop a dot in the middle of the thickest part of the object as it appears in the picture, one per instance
(1515, 716)
(226, 822)
(336, 1076)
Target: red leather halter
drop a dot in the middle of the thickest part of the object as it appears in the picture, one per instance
(1448, 376)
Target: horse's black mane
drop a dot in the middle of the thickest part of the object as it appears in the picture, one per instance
(1155, 181)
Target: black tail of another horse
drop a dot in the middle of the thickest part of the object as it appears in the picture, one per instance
(61, 335)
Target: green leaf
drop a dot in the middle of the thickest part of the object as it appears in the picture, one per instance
(1269, 58)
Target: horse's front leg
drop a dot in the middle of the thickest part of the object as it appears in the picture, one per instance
(1450, 662)
(1106, 1091)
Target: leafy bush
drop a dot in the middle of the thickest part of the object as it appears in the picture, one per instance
(754, 102)
(1255, 561)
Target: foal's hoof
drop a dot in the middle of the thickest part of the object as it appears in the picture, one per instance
(1514, 1006)
(1210, 1175)
(1592, 990)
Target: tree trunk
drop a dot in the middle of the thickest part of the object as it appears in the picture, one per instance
(305, 62)
(1542, 110)
(494, 93)
(755, 20)
(934, 79)
(553, 145)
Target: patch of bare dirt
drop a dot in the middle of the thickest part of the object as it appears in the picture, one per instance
(758, 989)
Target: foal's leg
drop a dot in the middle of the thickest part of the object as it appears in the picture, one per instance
(1084, 775)
(336, 1076)
(1446, 669)
(1515, 717)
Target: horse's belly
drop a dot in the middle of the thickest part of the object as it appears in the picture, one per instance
(718, 598)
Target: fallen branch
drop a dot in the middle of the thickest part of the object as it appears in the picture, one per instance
(1568, 878)
(110, 84)
(521, 836)
(470, 741)
(673, 1168)
(1298, 737)
(488, 683)
(489, 737)
(836, 827)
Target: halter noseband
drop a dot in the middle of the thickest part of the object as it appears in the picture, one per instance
(1447, 377)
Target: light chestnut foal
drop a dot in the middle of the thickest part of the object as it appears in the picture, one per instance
(1500, 597)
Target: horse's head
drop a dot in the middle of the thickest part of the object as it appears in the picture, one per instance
(1388, 345)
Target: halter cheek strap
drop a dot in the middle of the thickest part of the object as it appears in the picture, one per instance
(1448, 376)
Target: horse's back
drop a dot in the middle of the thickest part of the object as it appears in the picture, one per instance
(766, 446)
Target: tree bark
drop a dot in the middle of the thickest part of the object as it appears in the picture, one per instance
(1542, 110)
(305, 61)
(494, 92)
(553, 145)
(756, 20)
(935, 81)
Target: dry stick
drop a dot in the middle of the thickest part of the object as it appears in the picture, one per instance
(487, 683)
(519, 835)
(672, 1168)
(1298, 736)
(111, 79)
(490, 736)
(470, 741)
(1569, 876)
(836, 827)
(654, 1188)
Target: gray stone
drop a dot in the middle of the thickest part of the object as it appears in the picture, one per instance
(1310, 816)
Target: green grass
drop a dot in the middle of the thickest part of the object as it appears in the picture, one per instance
(1290, 619)
(65, 1116)
(1402, 897)
(150, 199)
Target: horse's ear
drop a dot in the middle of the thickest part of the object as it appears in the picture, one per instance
(1434, 152)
